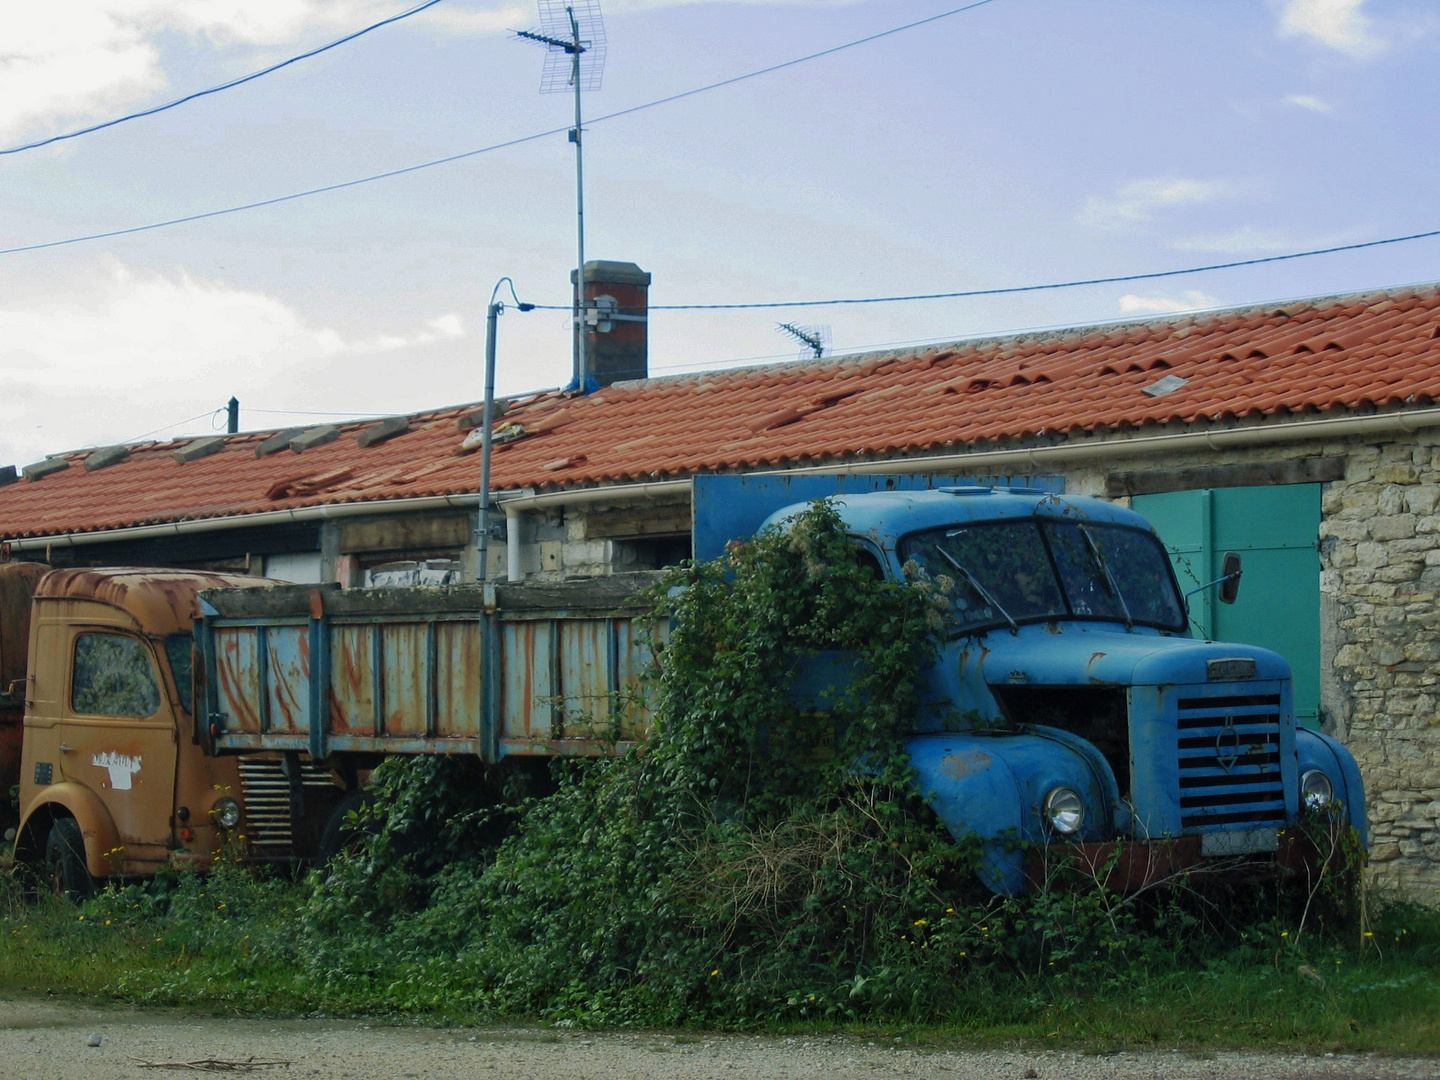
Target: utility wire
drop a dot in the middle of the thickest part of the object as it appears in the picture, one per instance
(326, 189)
(223, 86)
(1011, 289)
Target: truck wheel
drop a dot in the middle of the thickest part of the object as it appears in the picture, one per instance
(339, 835)
(65, 861)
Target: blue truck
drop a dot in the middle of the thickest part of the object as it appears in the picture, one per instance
(1069, 715)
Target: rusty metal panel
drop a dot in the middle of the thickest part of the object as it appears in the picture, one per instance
(527, 679)
(632, 654)
(404, 649)
(287, 667)
(238, 678)
(17, 585)
(458, 678)
(353, 686)
(587, 676)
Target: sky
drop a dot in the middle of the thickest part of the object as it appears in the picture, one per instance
(1019, 143)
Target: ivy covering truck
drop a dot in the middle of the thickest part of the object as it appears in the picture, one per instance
(1069, 711)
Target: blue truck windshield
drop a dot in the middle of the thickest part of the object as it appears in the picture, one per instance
(1009, 572)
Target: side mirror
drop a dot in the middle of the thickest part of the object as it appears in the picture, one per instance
(1230, 577)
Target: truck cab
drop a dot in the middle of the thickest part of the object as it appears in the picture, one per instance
(113, 780)
(1072, 714)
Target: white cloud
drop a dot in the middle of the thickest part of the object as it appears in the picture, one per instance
(1246, 240)
(155, 343)
(67, 62)
(1190, 300)
(1336, 24)
(1307, 101)
(1140, 200)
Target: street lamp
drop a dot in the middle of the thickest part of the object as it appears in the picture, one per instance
(482, 530)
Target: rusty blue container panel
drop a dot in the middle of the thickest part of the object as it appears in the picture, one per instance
(527, 683)
(587, 677)
(633, 652)
(401, 671)
(354, 681)
(235, 679)
(287, 686)
(457, 680)
(404, 672)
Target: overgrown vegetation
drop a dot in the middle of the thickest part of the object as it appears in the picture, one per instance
(760, 861)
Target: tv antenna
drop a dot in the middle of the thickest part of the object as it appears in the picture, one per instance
(574, 38)
(814, 338)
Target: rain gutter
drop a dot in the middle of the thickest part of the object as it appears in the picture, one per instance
(326, 512)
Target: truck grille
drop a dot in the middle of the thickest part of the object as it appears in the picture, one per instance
(266, 791)
(1229, 750)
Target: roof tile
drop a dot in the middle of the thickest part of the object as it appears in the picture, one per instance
(1305, 357)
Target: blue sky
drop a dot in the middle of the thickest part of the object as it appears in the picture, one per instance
(1026, 141)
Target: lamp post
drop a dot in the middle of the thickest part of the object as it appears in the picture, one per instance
(482, 529)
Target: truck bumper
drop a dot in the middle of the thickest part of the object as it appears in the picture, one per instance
(1133, 865)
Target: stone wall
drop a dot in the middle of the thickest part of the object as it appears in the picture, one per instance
(1380, 551)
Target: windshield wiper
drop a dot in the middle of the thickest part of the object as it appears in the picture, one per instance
(984, 592)
(1110, 585)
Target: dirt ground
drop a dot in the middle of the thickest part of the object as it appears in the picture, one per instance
(41, 1040)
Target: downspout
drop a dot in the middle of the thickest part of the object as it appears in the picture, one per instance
(513, 519)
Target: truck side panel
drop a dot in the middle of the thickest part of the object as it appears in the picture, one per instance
(405, 671)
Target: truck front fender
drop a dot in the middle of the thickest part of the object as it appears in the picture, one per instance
(97, 828)
(1317, 751)
(992, 787)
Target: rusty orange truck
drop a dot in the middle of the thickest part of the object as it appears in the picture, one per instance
(111, 734)
(107, 777)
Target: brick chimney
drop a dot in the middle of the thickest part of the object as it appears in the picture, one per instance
(615, 312)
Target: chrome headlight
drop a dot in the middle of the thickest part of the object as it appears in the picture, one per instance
(225, 813)
(1064, 810)
(1315, 789)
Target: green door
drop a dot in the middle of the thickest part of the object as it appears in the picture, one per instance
(1275, 530)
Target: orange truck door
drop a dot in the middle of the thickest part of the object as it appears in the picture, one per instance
(117, 738)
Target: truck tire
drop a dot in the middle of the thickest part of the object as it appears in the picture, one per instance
(65, 867)
(339, 835)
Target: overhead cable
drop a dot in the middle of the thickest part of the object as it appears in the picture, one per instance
(223, 86)
(1012, 289)
(450, 159)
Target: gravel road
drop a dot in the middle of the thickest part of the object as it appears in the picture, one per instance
(42, 1040)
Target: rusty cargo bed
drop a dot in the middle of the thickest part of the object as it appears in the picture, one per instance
(329, 671)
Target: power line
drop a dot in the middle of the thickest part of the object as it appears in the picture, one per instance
(167, 427)
(390, 174)
(223, 86)
(1012, 289)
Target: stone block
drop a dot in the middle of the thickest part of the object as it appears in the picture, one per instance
(1347, 529)
(1427, 652)
(1395, 472)
(1380, 853)
(1422, 498)
(1399, 573)
(1369, 555)
(1392, 527)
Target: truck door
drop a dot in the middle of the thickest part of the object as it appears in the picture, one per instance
(117, 738)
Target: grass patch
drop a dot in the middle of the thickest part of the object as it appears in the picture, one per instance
(201, 950)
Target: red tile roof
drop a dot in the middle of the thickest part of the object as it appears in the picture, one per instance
(1379, 349)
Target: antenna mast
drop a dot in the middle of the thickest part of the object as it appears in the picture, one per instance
(574, 37)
